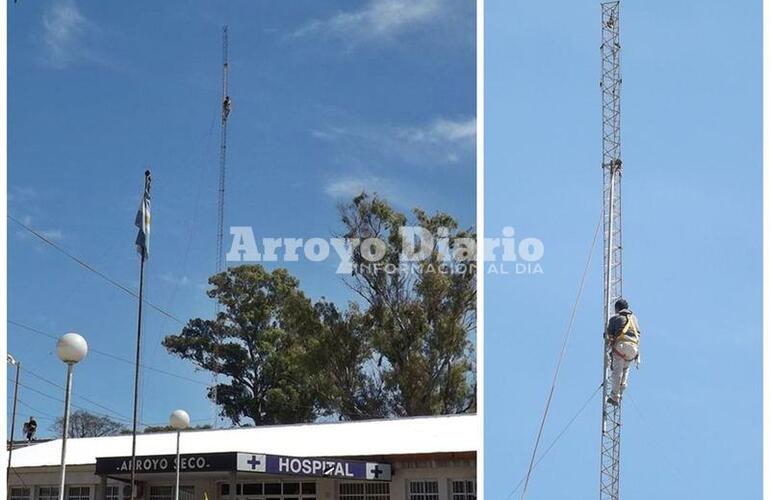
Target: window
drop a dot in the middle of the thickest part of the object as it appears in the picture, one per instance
(112, 493)
(274, 490)
(167, 492)
(161, 493)
(20, 494)
(463, 489)
(79, 493)
(364, 491)
(252, 489)
(48, 493)
(423, 490)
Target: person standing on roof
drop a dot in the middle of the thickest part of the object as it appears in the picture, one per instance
(30, 428)
(622, 337)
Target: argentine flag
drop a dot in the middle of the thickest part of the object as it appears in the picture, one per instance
(143, 219)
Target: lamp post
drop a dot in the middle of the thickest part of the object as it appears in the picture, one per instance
(13, 362)
(71, 348)
(179, 420)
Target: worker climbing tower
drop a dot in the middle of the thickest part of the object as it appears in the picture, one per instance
(612, 167)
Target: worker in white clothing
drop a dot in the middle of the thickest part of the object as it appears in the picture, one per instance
(622, 337)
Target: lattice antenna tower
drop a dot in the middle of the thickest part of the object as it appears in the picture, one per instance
(226, 106)
(612, 168)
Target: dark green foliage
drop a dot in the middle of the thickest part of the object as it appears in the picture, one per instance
(259, 343)
(403, 350)
(420, 319)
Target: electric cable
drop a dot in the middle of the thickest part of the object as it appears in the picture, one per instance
(567, 334)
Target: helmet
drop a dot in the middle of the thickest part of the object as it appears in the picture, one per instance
(621, 304)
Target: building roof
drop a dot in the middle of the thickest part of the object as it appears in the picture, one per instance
(402, 436)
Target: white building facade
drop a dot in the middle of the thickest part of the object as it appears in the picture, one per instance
(425, 458)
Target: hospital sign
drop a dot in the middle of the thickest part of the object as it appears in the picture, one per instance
(249, 462)
(315, 467)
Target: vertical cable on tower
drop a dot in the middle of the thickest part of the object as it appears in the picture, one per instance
(611, 80)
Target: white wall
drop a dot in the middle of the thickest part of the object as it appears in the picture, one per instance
(326, 489)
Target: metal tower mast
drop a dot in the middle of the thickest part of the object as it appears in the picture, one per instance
(223, 152)
(221, 202)
(609, 487)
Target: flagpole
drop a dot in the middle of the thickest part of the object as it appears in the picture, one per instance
(143, 256)
(136, 379)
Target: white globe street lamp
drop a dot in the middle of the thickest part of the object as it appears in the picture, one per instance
(71, 348)
(180, 421)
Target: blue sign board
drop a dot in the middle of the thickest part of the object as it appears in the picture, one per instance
(315, 467)
(279, 465)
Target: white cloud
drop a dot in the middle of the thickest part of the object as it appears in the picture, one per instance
(175, 280)
(63, 30)
(377, 19)
(346, 188)
(20, 194)
(24, 204)
(69, 37)
(441, 141)
(441, 131)
(52, 234)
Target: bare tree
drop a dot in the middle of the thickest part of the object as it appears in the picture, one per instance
(85, 424)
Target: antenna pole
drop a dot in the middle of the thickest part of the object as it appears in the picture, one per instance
(223, 151)
(226, 107)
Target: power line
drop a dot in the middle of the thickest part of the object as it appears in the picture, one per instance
(110, 355)
(113, 415)
(54, 398)
(562, 352)
(50, 417)
(158, 370)
(88, 267)
(558, 436)
(54, 384)
(54, 418)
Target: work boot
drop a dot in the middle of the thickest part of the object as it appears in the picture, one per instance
(612, 401)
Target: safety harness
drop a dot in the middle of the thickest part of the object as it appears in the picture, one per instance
(629, 333)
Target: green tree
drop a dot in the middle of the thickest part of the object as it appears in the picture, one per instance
(261, 342)
(402, 349)
(421, 313)
(85, 424)
(349, 384)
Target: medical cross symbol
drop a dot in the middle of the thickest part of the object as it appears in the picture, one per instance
(377, 471)
(254, 462)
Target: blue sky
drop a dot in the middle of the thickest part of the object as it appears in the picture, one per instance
(692, 234)
(328, 98)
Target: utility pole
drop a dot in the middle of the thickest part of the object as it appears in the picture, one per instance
(226, 107)
(612, 168)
